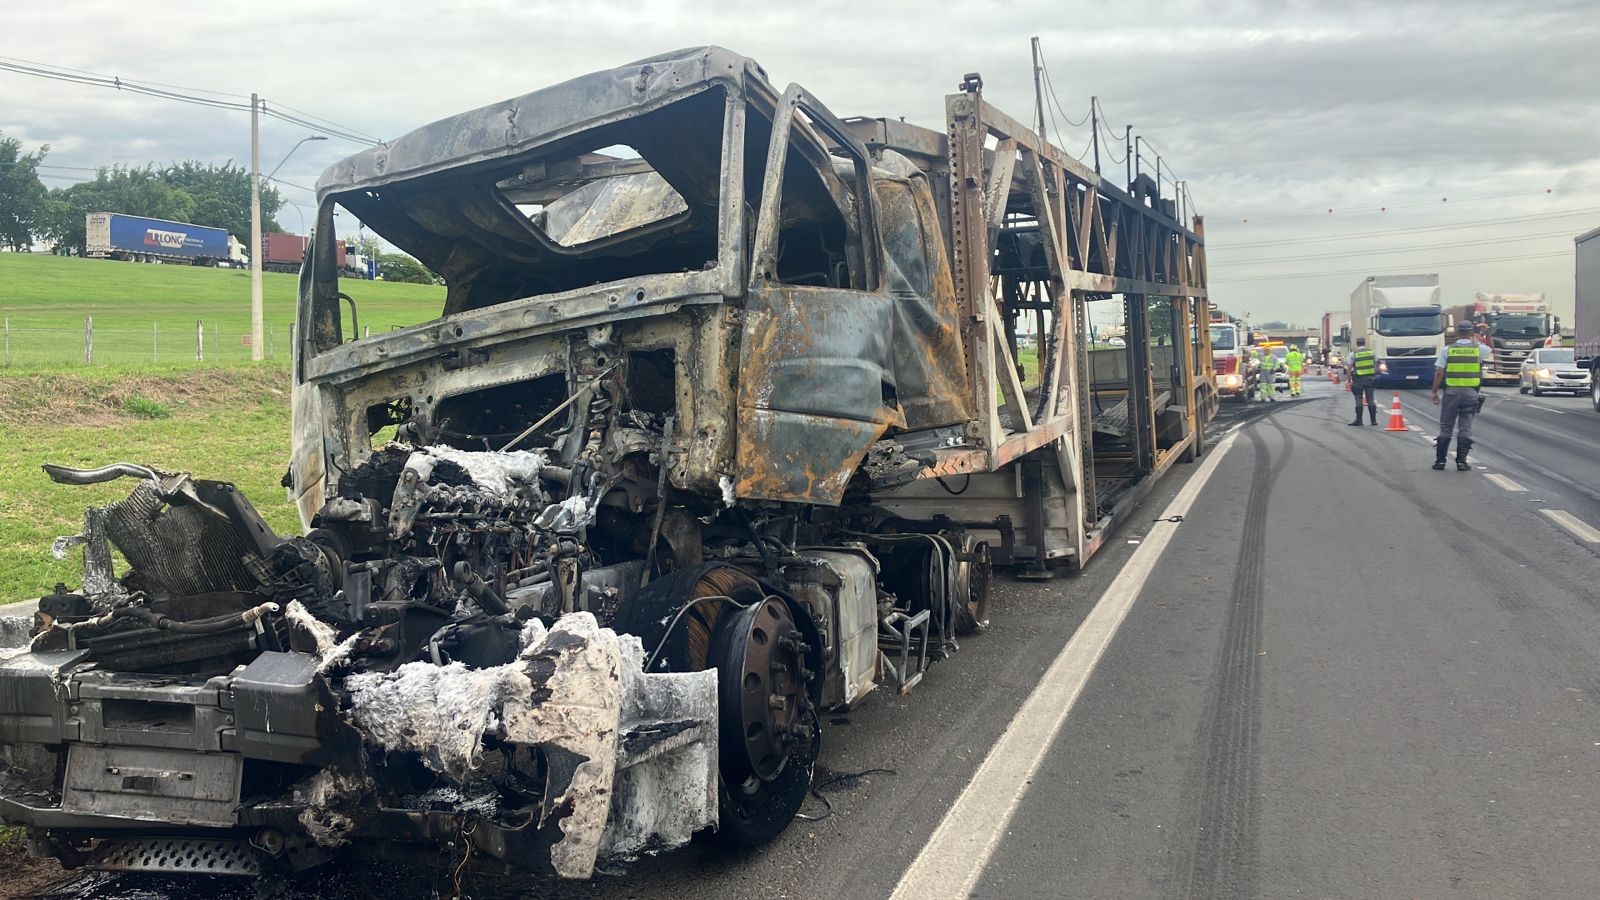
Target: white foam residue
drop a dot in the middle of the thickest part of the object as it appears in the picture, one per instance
(726, 484)
(579, 508)
(497, 472)
(441, 712)
(533, 632)
(577, 687)
(320, 632)
(16, 631)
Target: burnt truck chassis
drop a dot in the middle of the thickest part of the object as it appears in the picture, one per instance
(586, 557)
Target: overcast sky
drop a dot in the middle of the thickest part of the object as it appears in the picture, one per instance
(1275, 113)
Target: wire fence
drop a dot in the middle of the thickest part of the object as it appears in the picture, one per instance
(27, 343)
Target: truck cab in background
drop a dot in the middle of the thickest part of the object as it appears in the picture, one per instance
(1517, 324)
(1404, 325)
(237, 257)
(1228, 360)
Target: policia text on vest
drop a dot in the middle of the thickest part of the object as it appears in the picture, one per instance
(1460, 368)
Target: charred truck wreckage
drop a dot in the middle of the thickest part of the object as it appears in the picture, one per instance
(724, 422)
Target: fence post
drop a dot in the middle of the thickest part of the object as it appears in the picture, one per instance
(216, 341)
(366, 331)
(88, 340)
(199, 340)
(271, 350)
(292, 327)
(155, 342)
(8, 340)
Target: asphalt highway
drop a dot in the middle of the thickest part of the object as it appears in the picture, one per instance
(1338, 674)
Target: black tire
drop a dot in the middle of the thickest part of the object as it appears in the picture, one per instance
(1538, 393)
(1594, 389)
(755, 812)
(1522, 388)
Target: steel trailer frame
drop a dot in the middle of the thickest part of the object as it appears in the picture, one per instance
(1098, 241)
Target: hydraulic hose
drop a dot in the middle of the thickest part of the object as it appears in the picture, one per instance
(214, 625)
(65, 475)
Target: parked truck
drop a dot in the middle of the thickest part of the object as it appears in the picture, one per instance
(703, 443)
(1586, 296)
(1518, 324)
(1230, 361)
(285, 252)
(110, 235)
(1404, 325)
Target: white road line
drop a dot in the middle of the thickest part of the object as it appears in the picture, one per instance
(1548, 409)
(959, 849)
(1579, 528)
(1507, 484)
(1414, 428)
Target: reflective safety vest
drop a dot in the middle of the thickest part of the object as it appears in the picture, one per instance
(1364, 363)
(1296, 361)
(1463, 366)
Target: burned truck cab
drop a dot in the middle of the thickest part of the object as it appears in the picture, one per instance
(674, 227)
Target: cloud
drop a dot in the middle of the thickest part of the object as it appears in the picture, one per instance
(1271, 111)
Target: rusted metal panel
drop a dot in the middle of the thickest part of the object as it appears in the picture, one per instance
(815, 375)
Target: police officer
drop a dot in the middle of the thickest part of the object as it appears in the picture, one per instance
(1460, 368)
(1363, 366)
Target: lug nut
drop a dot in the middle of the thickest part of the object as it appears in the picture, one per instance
(777, 701)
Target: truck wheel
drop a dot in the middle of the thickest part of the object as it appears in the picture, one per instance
(1594, 389)
(762, 646)
(974, 576)
(769, 736)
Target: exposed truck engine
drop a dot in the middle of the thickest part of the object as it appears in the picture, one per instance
(724, 423)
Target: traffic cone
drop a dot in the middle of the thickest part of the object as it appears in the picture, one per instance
(1397, 416)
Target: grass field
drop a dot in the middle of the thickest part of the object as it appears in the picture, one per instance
(145, 315)
(228, 424)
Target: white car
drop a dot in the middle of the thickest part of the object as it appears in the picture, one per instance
(1552, 369)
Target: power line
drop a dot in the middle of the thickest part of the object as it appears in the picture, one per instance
(176, 87)
(1356, 235)
(1215, 278)
(149, 89)
(1359, 211)
(370, 138)
(1051, 88)
(1112, 139)
(1348, 253)
(289, 184)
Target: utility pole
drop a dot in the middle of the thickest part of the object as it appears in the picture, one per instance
(1127, 153)
(257, 338)
(1094, 126)
(1038, 92)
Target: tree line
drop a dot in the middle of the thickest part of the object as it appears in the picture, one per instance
(190, 191)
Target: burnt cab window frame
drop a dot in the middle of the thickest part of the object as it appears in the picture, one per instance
(764, 267)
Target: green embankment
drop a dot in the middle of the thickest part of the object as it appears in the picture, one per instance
(228, 424)
(144, 315)
(224, 418)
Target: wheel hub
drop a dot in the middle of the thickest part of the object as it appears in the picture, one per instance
(767, 713)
